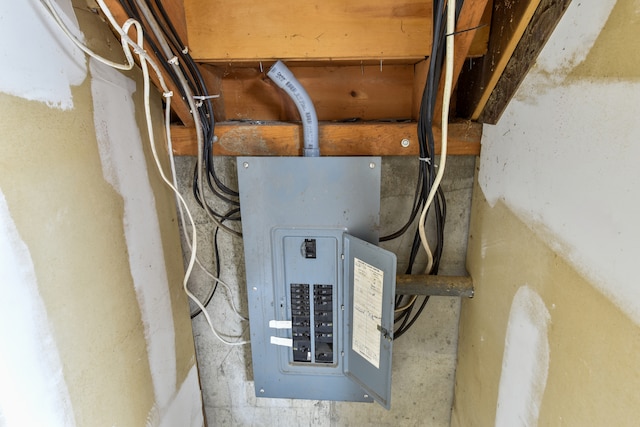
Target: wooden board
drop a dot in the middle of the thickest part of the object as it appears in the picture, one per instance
(336, 139)
(338, 92)
(540, 27)
(245, 30)
(480, 43)
(421, 69)
(178, 105)
(471, 16)
(175, 10)
(509, 22)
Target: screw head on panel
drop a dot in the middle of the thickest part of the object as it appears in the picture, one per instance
(405, 142)
(245, 165)
(366, 396)
(261, 391)
(372, 165)
(255, 288)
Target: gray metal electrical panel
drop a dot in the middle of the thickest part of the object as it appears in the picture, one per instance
(320, 292)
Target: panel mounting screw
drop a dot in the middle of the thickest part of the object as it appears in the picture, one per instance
(262, 390)
(246, 165)
(405, 142)
(366, 396)
(255, 288)
(372, 165)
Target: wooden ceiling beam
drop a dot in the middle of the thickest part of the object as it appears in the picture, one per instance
(540, 27)
(178, 105)
(175, 10)
(336, 139)
(247, 30)
(508, 23)
(470, 20)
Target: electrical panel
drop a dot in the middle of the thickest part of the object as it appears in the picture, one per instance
(320, 291)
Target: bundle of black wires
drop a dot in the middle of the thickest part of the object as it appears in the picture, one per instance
(224, 196)
(407, 308)
(198, 87)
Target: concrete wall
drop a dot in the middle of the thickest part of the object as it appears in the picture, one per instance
(423, 359)
(93, 322)
(552, 336)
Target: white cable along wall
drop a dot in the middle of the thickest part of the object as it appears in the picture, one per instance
(145, 61)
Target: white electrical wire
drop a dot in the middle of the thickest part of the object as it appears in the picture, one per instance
(145, 60)
(164, 45)
(193, 106)
(186, 233)
(125, 48)
(448, 83)
(192, 258)
(148, 15)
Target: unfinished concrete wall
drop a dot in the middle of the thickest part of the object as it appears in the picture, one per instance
(552, 336)
(94, 327)
(423, 360)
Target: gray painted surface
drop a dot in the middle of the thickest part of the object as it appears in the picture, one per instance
(423, 359)
(285, 200)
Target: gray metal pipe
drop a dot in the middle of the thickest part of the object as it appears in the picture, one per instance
(285, 80)
(424, 284)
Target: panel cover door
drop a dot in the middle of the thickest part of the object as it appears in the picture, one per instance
(370, 281)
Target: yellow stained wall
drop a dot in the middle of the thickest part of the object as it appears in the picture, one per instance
(593, 372)
(71, 221)
(555, 213)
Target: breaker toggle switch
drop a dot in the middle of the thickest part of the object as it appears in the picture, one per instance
(309, 248)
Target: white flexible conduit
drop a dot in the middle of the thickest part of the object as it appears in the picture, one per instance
(285, 79)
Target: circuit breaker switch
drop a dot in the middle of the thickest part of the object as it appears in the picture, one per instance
(309, 248)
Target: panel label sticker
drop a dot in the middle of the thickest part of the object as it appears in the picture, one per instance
(285, 342)
(280, 324)
(367, 310)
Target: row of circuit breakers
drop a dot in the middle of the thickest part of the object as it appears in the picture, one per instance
(320, 291)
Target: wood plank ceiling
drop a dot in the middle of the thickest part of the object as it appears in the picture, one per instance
(363, 63)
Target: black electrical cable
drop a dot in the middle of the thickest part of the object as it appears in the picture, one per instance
(408, 323)
(198, 87)
(132, 11)
(426, 172)
(195, 83)
(206, 206)
(208, 117)
(414, 212)
(425, 122)
(215, 285)
(216, 253)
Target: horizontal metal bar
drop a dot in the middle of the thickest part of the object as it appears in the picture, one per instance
(423, 284)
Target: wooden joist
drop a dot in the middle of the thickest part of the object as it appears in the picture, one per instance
(470, 20)
(336, 139)
(246, 30)
(544, 20)
(178, 106)
(509, 22)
